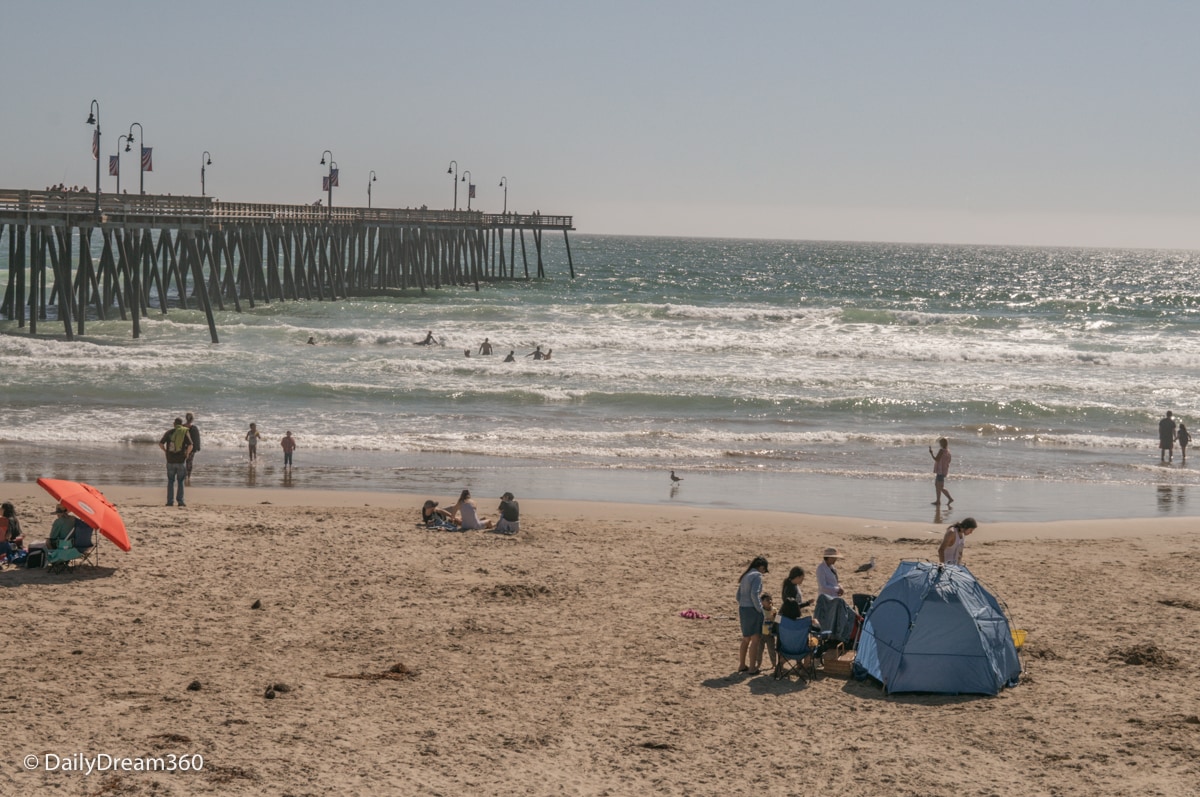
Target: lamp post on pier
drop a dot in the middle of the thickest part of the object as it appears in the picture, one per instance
(120, 138)
(467, 179)
(504, 185)
(454, 170)
(329, 183)
(205, 160)
(373, 178)
(141, 155)
(94, 119)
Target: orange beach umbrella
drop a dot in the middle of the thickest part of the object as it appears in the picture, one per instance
(90, 505)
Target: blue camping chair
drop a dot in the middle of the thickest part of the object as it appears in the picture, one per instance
(796, 654)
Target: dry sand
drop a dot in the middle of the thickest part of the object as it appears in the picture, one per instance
(424, 663)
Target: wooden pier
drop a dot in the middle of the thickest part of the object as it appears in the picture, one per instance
(158, 251)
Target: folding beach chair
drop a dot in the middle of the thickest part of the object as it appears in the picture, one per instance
(796, 652)
(79, 548)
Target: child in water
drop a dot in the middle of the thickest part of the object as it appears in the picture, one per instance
(1184, 438)
(252, 438)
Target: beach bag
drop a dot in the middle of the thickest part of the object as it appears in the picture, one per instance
(177, 439)
(36, 558)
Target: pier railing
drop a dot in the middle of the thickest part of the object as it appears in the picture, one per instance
(118, 208)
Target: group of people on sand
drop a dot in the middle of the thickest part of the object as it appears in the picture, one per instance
(758, 615)
(69, 538)
(463, 515)
(181, 443)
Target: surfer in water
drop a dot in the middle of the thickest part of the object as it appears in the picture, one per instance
(429, 340)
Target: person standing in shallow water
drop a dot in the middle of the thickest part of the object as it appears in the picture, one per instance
(1166, 438)
(1184, 439)
(288, 443)
(941, 469)
(252, 438)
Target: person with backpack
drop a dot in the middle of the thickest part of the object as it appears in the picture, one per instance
(194, 434)
(176, 443)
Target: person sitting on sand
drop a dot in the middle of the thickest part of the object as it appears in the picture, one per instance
(433, 515)
(950, 552)
(11, 538)
(510, 515)
(467, 514)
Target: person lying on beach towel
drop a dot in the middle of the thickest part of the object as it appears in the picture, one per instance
(436, 518)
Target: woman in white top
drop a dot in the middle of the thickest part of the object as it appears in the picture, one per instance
(832, 613)
(827, 577)
(468, 515)
(951, 550)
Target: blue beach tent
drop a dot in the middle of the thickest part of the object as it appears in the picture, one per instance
(934, 628)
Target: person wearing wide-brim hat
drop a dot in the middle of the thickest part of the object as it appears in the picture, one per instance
(832, 612)
(827, 577)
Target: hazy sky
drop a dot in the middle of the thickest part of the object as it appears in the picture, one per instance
(1044, 122)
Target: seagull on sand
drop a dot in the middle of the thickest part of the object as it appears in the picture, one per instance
(675, 478)
(868, 566)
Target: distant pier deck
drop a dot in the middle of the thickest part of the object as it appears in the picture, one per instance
(158, 251)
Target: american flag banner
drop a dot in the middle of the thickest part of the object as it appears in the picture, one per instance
(471, 190)
(114, 165)
(333, 176)
(96, 144)
(147, 159)
(325, 183)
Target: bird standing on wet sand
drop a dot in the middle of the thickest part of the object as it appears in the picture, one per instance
(868, 566)
(675, 478)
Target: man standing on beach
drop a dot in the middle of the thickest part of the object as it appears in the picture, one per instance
(1166, 438)
(194, 435)
(176, 443)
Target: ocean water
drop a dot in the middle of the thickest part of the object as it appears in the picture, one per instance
(788, 375)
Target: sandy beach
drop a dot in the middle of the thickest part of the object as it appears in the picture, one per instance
(409, 662)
